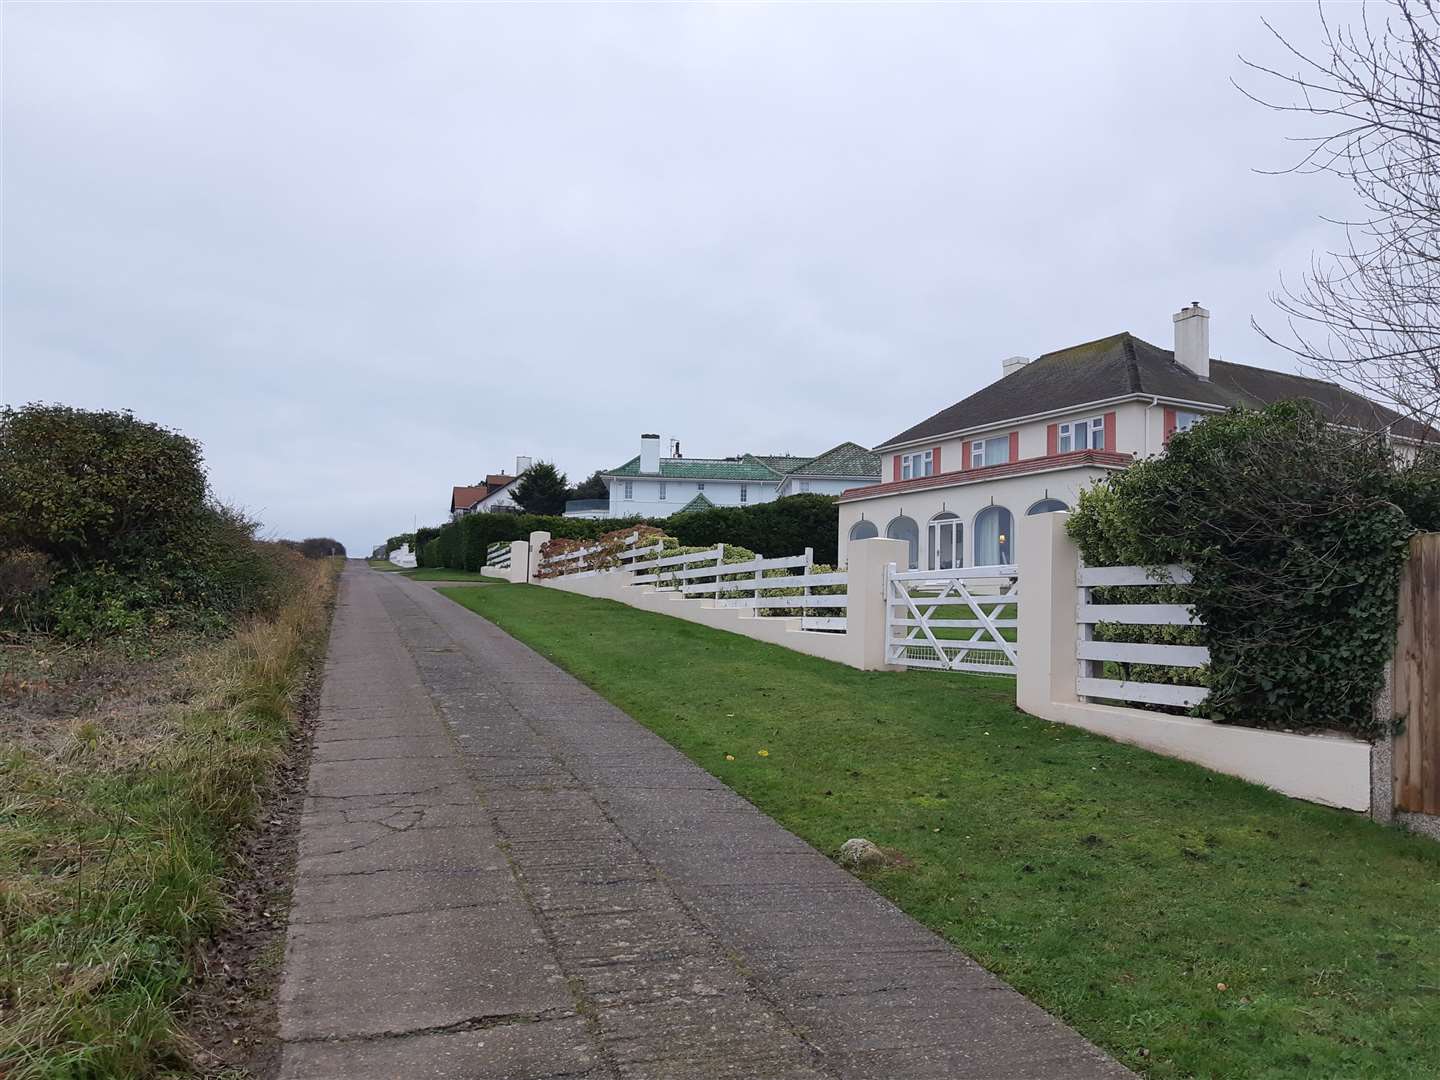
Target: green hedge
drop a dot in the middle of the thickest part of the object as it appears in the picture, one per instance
(784, 527)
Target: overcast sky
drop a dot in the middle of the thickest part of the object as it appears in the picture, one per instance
(365, 252)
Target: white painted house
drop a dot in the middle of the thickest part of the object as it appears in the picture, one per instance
(960, 484)
(649, 485)
(497, 493)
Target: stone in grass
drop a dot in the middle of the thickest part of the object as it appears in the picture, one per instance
(861, 854)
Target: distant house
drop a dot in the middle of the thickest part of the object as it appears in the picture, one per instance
(649, 485)
(496, 493)
(587, 508)
(959, 484)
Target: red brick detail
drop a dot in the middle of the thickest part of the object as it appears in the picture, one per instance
(965, 454)
(935, 460)
(1052, 440)
(1110, 431)
(1170, 423)
(1075, 459)
(1014, 446)
(897, 468)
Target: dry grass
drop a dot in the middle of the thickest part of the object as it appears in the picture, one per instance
(119, 809)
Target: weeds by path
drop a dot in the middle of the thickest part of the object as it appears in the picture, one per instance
(115, 829)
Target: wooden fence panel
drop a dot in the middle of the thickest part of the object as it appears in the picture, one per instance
(1417, 680)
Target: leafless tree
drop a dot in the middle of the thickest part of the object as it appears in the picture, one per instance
(1368, 313)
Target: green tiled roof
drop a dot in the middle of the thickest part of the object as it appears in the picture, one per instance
(847, 460)
(700, 469)
(780, 463)
(699, 502)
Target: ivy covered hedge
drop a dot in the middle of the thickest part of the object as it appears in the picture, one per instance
(1295, 532)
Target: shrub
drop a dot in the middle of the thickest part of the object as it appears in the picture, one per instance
(24, 574)
(120, 509)
(784, 527)
(1295, 534)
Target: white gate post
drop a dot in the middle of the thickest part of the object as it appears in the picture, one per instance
(537, 540)
(866, 601)
(518, 572)
(1047, 561)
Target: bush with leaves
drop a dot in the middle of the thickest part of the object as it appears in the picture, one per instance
(542, 489)
(120, 510)
(1295, 532)
(783, 527)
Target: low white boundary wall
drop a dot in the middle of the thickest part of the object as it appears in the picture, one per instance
(1330, 770)
(862, 645)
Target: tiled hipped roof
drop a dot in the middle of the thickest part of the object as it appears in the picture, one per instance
(462, 498)
(1104, 459)
(700, 469)
(1123, 366)
(848, 460)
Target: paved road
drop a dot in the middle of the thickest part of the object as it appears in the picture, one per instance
(503, 877)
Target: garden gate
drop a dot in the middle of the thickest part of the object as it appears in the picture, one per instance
(922, 630)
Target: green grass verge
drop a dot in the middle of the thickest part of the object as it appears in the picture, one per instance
(383, 565)
(116, 832)
(438, 574)
(1191, 924)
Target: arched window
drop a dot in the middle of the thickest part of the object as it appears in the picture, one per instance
(947, 542)
(994, 536)
(903, 528)
(1046, 506)
(864, 530)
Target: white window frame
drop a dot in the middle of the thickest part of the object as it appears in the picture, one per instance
(1093, 426)
(977, 451)
(629, 489)
(700, 486)
(662, 490)
(1185, 419)
(917, 464)
(744, 494)
(804, 485)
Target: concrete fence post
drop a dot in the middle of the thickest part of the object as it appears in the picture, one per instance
(866, 563)
(518, 572)
(1047, 560)
(537, 541)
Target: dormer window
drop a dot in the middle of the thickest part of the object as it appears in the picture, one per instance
(1087, 434)
(994, 451)
(913, 466)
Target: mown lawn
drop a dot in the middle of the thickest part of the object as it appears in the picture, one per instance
(438, 574)
(1191, 924)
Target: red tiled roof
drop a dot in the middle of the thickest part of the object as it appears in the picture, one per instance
(1108, 459)
(498, 480)
(462, 498)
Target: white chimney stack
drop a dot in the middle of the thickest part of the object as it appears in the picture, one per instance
(1012, 364)
(522, 464)
(1192, 339)
(650, 454)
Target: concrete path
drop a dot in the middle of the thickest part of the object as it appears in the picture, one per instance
(503, 876)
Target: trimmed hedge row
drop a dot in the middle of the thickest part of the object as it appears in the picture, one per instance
(784, 527)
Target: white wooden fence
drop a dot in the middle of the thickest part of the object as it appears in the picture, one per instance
(569, 563)
(752, 584)
(1092, 655)
(921, 630)
(498, 555)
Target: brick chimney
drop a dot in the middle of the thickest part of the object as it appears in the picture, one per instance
(1192, 339)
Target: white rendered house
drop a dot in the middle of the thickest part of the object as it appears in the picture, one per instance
(649, 485)
(960, 484)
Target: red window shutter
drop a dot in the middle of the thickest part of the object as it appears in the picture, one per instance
(1052, 440)
(1170, 424)
(935, 461)
(897, 466)
(1014, 446)
(965, 455)
(1109, 431)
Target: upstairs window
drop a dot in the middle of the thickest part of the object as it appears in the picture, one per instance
(994, 451)
(744, 494)
(629, 489)
(1087, 434)
(662, 490)
(913, 466)
(804, 485)
(1184, 421)
(700, 486)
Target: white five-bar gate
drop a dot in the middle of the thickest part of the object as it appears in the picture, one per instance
(955, 620)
